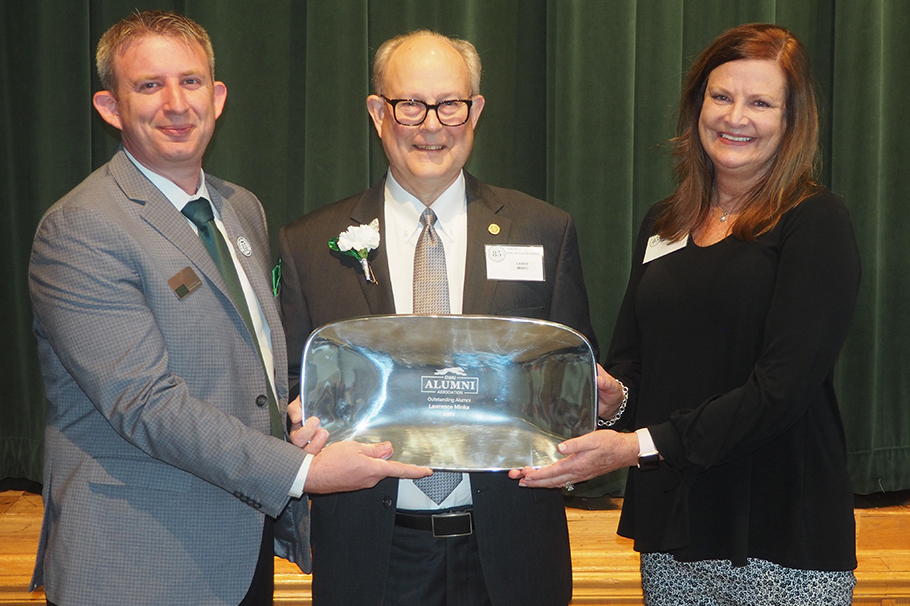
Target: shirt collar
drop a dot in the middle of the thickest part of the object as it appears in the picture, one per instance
(448, 206)
(171, 190)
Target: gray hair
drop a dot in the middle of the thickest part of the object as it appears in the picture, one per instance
(465, 49)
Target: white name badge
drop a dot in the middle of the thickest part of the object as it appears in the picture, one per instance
(515, 263)
(658, 247)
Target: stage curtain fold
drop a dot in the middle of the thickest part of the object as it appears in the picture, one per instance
(581, 101)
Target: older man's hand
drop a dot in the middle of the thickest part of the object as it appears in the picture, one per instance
(309, 435)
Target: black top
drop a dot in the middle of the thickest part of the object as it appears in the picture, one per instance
(729, 352)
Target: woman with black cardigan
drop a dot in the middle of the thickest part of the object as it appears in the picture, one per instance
(742, 288)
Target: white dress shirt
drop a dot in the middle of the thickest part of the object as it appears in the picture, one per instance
(400, 233)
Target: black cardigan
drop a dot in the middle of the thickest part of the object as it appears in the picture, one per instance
(729, 351)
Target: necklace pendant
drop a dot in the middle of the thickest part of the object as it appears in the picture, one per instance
(723, 218)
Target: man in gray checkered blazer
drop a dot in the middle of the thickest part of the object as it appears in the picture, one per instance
(162, 482)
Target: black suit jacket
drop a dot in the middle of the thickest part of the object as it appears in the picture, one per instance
(521, 533)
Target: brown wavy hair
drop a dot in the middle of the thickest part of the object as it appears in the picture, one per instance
(790, 178)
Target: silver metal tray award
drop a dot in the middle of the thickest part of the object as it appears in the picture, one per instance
(460, 393)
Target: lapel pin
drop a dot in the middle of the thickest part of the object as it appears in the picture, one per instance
(493, 229)
(243, 245)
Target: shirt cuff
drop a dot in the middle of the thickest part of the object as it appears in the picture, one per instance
(645, 442)
(297, 487)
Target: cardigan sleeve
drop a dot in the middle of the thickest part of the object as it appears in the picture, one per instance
(814, 295)
(623, 360)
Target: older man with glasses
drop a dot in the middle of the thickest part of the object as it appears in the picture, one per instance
(473, 538)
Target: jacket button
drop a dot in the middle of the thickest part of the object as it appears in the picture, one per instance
(387, 501)
(261, 401)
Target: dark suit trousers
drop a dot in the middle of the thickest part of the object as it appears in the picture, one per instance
(262, 586)
(429, 571)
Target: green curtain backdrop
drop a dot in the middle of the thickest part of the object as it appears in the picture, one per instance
(581, 99)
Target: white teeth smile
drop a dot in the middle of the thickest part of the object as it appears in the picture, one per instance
(735, 138)
(430, 147)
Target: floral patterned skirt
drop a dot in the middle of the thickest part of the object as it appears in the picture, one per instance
(667, 582)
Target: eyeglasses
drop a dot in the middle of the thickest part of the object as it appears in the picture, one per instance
(411, 112)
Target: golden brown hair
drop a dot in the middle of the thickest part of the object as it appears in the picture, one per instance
(148, 23)
(790, 177)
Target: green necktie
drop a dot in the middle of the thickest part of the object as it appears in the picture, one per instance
(199, 211)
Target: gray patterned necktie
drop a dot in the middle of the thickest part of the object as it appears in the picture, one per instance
(431, 296)
(431, 283)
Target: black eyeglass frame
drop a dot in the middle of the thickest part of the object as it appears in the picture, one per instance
(435, 108)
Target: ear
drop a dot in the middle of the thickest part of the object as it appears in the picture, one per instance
(106, 105)
(376, 106)
(476, 108)
(220, 93)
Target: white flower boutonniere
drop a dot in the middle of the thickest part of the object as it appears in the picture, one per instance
(357, 241)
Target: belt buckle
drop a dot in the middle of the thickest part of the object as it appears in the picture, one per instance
(448, 517)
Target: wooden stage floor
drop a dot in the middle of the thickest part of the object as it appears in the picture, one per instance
(605, 566)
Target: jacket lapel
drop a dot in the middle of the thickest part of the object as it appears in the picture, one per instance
(161, 215)
(255, 265)
(484, 218)
(379, 295)
(257, 268)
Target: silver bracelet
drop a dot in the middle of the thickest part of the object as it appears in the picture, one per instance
(622, 408)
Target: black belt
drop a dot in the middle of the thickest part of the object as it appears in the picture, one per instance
(444, 524)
